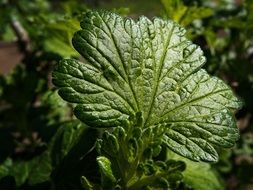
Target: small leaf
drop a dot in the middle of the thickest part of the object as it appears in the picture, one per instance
(133, 149)
(148, 73)
(105, 167)
(108, 178)
(158, 174)
(110, 143)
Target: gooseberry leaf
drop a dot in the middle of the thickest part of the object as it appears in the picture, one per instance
(147, 72)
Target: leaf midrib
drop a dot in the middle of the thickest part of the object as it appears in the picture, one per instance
(161, 64)
(121, 60)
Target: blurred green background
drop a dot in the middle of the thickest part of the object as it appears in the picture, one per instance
(35, 34)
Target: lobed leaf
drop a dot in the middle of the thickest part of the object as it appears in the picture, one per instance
(149, 70)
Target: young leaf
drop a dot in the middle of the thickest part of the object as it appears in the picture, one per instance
(108, 178)
(148, 70)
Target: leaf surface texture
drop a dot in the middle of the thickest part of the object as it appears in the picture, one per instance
(149, 70)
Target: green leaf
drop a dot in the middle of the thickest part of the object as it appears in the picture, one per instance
(64, 140)
(148, 73)
(57, 45)
(59, 40)
(40, 169)
(199, 175)
(161, 175)
(5, 167)
(35, 171)
(19, 170)
(108, 178)
(182, 14)
(70, 153)
(175, 9)
(63, 163)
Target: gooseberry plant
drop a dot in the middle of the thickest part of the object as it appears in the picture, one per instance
(142, 82)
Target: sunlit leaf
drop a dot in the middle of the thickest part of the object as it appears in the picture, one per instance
(148, 70)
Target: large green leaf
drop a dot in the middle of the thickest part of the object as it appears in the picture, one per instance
(147, 71)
